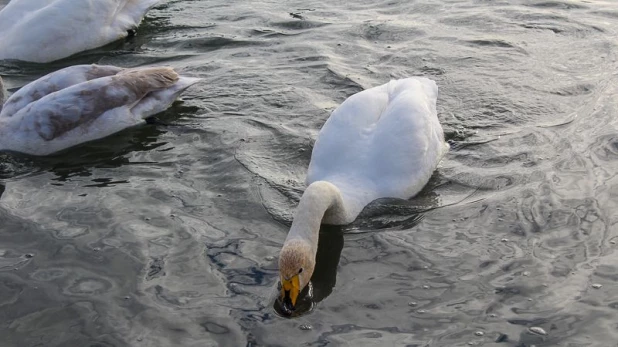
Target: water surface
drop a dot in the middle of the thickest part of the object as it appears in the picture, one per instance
(169, 234)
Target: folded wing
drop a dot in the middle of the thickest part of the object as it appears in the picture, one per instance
(54, 82)
(57, 113)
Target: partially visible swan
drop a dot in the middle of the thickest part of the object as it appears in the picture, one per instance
(83, 103)
(382, 142)
(2, 93)
(46, 30)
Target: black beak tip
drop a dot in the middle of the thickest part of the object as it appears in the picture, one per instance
(287, 301)
(286, 306)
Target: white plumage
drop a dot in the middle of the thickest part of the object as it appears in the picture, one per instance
(84, 103)
(47, 30)
(382, 142)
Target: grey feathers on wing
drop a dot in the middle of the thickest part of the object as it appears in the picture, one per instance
(58, 113)
(54, 82)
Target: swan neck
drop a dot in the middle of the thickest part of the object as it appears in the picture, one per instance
(319, 197)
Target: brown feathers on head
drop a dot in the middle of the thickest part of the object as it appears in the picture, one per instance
(296, 258)
(144, 80)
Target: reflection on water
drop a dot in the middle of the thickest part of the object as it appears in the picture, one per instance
(324, 277)
(169, 234)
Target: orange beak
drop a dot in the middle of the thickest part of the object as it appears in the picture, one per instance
(290, 287)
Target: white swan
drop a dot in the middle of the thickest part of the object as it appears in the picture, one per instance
(46, 30)
(83, 103)
(382, 142)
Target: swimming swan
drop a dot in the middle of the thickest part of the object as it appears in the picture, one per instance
(83, 103)
(46, 30)
(382, 142)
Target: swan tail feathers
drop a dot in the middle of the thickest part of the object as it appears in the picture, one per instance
(130, 15)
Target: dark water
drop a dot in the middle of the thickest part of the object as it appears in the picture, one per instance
(169, 235)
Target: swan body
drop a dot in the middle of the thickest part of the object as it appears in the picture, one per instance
(84, 103)
(46, 30)
(382, 142)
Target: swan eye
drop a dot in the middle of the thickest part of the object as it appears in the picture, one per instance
(301, 270)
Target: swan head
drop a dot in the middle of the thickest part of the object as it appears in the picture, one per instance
(296, 264)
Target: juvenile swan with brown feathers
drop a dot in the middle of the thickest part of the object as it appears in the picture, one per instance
(84, 103)
(382, 142)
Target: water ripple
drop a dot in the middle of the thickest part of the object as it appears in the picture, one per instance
(169, 234)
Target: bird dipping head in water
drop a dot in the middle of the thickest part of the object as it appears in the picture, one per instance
(296, 264)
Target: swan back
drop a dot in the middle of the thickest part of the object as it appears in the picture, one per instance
(382, 142)
(87, 110)
(31, 30)
(54, 82)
